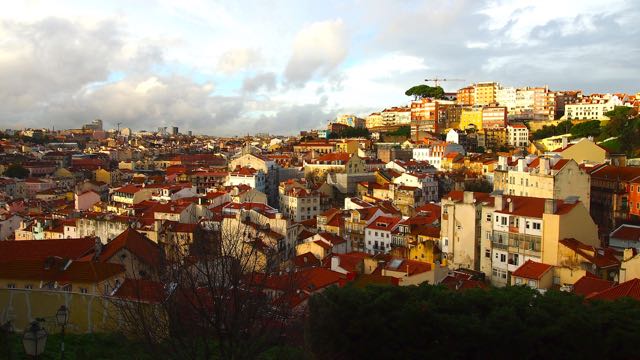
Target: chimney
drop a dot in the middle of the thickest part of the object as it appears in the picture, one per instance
(502, 163)
(467, 197)
(521, 165)
(498, 202)
(97, 247)
(544, 166)
(550, 206)
(565, 142)
(335, 262)
(511, 206)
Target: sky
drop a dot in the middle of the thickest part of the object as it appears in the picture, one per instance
(238, 67)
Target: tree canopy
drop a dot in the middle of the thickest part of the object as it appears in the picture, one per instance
(350, 132)
(16, 171)
(624, 123)
(434, 322)
(425, 91)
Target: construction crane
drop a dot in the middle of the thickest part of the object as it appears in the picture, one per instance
(437, 80)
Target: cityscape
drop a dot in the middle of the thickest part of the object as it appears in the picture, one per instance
(152, 216)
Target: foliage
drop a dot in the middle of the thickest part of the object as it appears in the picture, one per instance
(350, 132)
(425, 91)
(81, 346)
(434, 322)
(16, 171)
(401, 131)
(563, 127)
(624, 124)
(481, 185)
(586, 129)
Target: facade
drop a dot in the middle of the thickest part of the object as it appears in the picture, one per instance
(299, 202)
(494, 117)
(592, 108)
(247, 176)
(543, 177)
(485, 93)
(471, 118)
(377, 234)
(466, 96)
(517, 135)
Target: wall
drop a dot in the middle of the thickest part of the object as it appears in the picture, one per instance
(88, 313)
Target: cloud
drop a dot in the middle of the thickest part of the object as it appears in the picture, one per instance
(236, 60)
(318, 48)
(266, 81)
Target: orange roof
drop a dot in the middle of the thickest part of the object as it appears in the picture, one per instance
(629, 288)
(590, 285)
(384, 223)
(602, 258)
(532, 270)
(626, 232)
(138, 244)
(80, 271)
(411, 267)
(41, 249)
(141, 290)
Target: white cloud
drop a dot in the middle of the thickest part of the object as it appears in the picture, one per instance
(317, 50)
(235, 60)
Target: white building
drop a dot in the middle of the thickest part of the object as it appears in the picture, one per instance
(426, 182)
(592, 108)
(517, 135)
(377, 235)
(247, 176)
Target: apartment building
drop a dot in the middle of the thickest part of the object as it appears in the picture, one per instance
(592, 107)
(496, 234)
(247, 176)
(377, 236)
(485, 93)
(543, 177)
(517, 135)
(299, 201)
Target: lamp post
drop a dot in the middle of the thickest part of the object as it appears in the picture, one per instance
(62, 318)
(34, 339)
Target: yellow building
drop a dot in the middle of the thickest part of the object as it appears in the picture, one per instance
(485, 93)
(584, 150)
(471, 118)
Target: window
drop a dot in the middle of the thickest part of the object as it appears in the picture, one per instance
(487, 253)
(518, 281)
(28, 286)
(11, 286)
(536, 226)
(503, 258)
(84, 290)
(488, 217)
(503, 221)
(532, 284)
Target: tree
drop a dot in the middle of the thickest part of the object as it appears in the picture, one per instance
(16, 171)
(433, 322)
(586, 129)
(425, 91)
(212, 294)
(624, 123)
(401, 131)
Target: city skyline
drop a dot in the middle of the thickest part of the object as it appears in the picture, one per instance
(222, 69)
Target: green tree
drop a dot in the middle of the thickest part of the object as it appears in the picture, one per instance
(586, 129)
(430, 321)
(425, 91)
(401, 131)
(16, 171)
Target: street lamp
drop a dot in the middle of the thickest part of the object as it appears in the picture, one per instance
(34, 339)
(62, 318)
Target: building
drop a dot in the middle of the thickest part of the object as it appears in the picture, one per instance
(543, 177)
(350, 120)
(174, 131)
(374, 120)
(533, 274)
(377, 236)
(466, 96)
(424, 117)
(494, 117)
(485, 93)
(396, 116)
(299, 201)
(592, 108)
(583, 151)
(517, 135)
(336, 163)
(471, 118)
(496, 234)
(247, 176)
(612, 191)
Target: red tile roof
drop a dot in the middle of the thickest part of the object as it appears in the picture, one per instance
(590, 285)
(23, 250)
(629, 288)
(386, 223)
(141, 290)
(626, 232)
(602, 258)
(532, 270)
(76, 271)
(138, 244)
